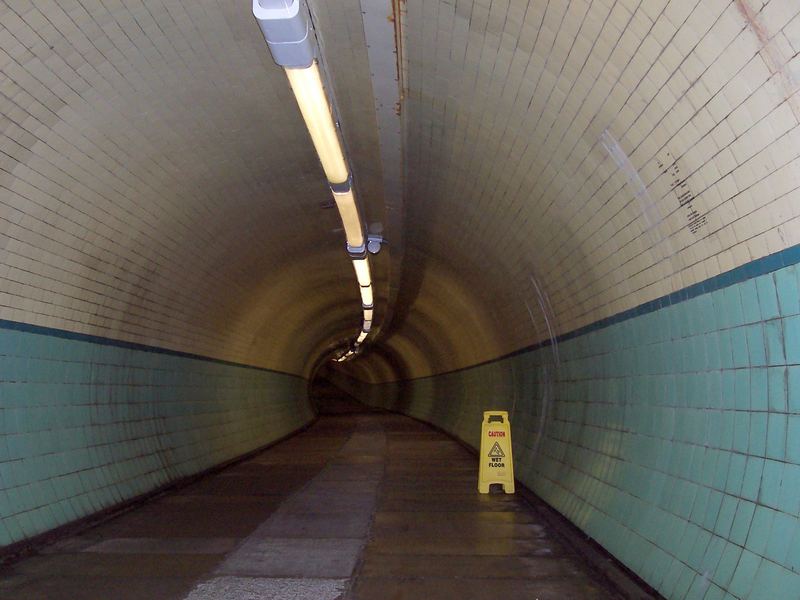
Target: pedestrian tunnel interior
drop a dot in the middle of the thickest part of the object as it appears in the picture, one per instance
(586, 214)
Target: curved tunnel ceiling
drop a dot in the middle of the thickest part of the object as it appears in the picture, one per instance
(158, 184)
(544, 144)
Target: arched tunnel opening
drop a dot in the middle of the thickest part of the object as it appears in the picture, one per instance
(265, 264)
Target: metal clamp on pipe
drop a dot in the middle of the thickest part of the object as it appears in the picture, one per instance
(351, 220)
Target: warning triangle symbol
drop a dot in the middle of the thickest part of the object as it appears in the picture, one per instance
(496, 451)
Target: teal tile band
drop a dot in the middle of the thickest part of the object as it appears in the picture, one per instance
(87, 423)
(671, 431)
(785, 287)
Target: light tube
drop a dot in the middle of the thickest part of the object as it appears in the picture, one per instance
(367, 325)
(366, 295)
(361, 337)
(368, 314)
(348, 211)
(361, 265)
(313, 102)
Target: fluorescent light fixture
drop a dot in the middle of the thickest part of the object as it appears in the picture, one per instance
(290, 36)
(366, 295)
(287, 31)
(313, 102)
(361, 265)
(348, 211)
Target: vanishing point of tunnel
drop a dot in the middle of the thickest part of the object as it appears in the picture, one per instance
(265, 264)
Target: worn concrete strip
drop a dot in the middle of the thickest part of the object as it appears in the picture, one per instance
(294, 557)
(346, 525)
(258, 588)
(310, 545)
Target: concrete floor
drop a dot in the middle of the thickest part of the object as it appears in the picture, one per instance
(364, 506)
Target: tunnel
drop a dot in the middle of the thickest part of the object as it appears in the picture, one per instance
(265, 264)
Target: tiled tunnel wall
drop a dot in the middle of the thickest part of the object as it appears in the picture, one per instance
(671, 434)
(154, 179)
(86, 424)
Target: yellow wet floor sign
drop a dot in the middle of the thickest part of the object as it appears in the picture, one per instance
(496, 462)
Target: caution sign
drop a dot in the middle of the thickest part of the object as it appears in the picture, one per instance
(496, 463)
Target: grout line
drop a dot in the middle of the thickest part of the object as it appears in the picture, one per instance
(65, 334)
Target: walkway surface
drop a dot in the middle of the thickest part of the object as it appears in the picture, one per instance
(365, 506)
